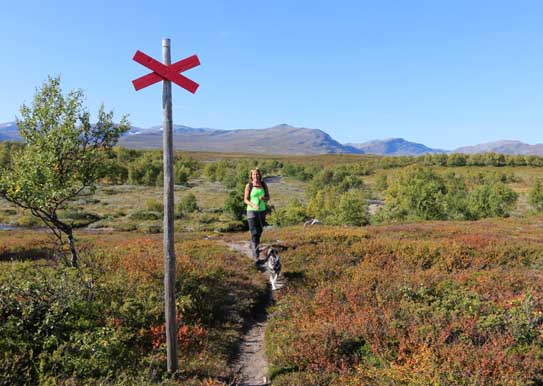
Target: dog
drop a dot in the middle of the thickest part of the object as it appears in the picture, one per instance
(273, 265)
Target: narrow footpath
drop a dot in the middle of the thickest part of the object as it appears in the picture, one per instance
(251, 364)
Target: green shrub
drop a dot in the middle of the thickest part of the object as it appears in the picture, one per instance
(154, 206)
(381, 182)
(234, 205)
(28, 221)
(417, 194)
(187, 204)
(55, 325)
(125, 227)
(334, 207)
(144, 215)
(353, 209)
(9, 212)
(535, 196)
(231, 226)
(491, 200)
(110, 192)
(341, 179)
(152, 228)
(294, 213)
(78, 217)
(119, 213)
(181, 174)
(207, 218)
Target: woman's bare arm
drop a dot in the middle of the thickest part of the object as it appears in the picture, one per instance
(266, 196)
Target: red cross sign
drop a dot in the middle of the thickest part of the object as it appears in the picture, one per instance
(164, 72)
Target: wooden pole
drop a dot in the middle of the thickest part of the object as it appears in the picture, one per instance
(169, 252)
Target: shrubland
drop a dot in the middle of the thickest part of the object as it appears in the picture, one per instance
(103, 323)
(433, 303)
(332, 188)
(414, 299)
(445, 288)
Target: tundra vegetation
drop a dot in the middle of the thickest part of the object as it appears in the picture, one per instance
(441, 285)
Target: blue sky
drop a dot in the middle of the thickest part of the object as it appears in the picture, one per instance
(444, 73)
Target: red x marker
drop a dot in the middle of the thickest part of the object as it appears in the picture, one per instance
(164, 72)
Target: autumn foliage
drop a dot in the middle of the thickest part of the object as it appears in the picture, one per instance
(104, 321)
(431, 303)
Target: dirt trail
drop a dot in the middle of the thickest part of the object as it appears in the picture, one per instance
(251, 364)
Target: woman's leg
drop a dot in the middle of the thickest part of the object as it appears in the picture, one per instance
(260, 229)
(256, 231)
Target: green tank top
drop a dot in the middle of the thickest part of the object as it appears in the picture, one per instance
(254, 197)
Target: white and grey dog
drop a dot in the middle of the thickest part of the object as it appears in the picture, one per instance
(273, 265)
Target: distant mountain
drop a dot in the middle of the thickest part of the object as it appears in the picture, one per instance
(504, 147)
(280, 139)
(394, 146)
(9, 132)
(284, 139)
(185, 129)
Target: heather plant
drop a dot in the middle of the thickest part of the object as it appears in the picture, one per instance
(427, 303)
(103, 323)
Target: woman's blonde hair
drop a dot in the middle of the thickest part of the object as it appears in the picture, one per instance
(256, 170)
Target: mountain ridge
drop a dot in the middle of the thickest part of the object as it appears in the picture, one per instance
(503, 146)
(396, 146)
(286, 139)
(279, 139)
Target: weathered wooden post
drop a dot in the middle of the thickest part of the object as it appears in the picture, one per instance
(169, 251)
(168, 73)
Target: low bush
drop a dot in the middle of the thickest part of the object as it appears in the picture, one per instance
(78, 217)
(144, 215)
(414, 304)
(187, 204)
(152, 205)
(151, 228)
(103, 323)
(293, 213)
(231, 226)
(126, 227)
(234, 205)
(535, 195)
(420, 193)
(28, 221)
